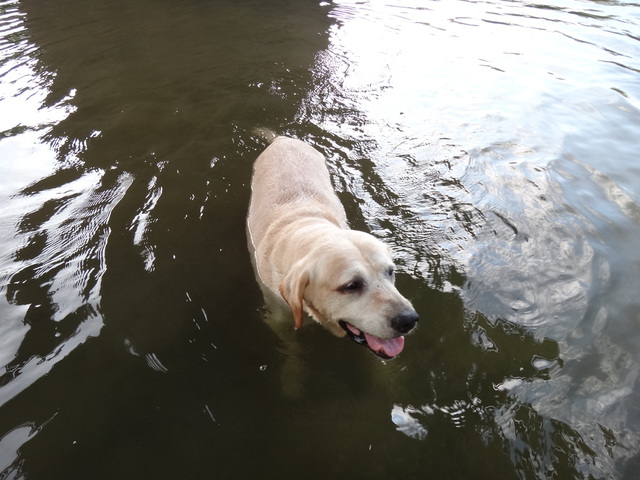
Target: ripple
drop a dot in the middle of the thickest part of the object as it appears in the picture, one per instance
(141, 224)
(491, 144)
(493, 139)
(59, 270)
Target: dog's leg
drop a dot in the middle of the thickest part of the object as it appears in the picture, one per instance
(293, 373)
(279, 318)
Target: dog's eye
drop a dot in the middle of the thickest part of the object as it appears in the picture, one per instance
(391, 272)
(352, 287)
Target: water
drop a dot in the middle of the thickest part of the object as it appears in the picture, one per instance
(493, 145)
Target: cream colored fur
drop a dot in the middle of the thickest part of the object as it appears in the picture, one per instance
(305, 253)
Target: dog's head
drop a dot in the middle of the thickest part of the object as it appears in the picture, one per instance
(347, 285)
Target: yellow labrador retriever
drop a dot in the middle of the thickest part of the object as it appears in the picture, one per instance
(306, 255)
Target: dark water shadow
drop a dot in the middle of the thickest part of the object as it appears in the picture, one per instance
(148, 241)
(150, 115)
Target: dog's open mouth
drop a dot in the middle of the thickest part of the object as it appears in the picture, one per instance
(383, 347)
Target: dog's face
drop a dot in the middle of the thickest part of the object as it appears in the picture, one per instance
(348, 286)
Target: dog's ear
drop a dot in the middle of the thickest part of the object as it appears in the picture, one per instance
(292, 290)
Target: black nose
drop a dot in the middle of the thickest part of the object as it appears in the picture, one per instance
(404, 322)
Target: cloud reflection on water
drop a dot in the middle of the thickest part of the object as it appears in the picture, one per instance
(456, 130)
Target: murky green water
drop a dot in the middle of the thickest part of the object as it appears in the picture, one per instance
(492, 144)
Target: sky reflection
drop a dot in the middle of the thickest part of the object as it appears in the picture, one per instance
(495, 130)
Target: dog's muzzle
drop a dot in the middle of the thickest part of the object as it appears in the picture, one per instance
(384, 347)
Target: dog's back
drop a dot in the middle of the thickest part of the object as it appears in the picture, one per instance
(290, 180)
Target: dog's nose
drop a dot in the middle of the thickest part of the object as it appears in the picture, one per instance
(405, 321)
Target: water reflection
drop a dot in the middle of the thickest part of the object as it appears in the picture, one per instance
(491, 144)
(60, 270)
(137, 179)
(47, 280)
(499, 391)
(487, 157)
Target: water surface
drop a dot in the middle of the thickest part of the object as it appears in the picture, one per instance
(492, 144)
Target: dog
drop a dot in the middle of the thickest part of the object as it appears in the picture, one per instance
(307, 258)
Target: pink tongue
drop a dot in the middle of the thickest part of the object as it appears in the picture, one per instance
(388, 346)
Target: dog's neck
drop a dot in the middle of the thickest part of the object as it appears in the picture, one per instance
(333, 327)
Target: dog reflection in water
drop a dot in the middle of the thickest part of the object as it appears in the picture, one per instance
(307, 259)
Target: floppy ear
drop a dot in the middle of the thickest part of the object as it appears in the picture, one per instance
(292, 290)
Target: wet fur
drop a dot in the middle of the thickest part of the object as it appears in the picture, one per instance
(304, 252)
